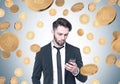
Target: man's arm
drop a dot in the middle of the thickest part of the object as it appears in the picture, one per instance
(74, 67)
(37, 69)
(79, 62)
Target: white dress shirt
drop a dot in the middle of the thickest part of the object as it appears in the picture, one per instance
(54, 60)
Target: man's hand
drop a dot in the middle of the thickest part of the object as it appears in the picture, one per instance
(72, 67)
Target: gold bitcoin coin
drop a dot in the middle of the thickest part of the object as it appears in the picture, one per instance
(13, 80)
(52, 12)
(4, 25)
(84, 18)
(89, 69)
(112, 2)
(77, 7)
(80, 32)
(2, 12)
(24, 82)
(117, 63)
(26, 60)
(116, 46)
(23, 16)
(102, 41)
(86, 50)
(30, 35)
(2, 80)
(9, 42)
(5, 55)
(35, 48)
(90, 36)
(96, 59)
(8, 3)
(95, 81)
(92, 7)
(96, 1)
(38, 5)
(40, 24)
(116, 35)
(19, 53)
(106, 15)
(96, 24)
(110, 60)
(119, 82)
(18, 72)
(59, 2)
(14, 8)
(18, 25)
(65, 12)
(118, 2)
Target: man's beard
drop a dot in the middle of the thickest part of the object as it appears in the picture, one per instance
(59, 43)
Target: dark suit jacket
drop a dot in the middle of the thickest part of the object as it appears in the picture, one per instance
(43, 63)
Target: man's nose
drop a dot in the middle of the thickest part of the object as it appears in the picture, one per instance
(63, 37)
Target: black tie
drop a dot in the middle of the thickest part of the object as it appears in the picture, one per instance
(59, 69)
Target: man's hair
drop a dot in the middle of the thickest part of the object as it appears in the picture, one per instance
(62, 22)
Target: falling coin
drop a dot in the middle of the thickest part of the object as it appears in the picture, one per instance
(13, 80)
(65, 12)
(4, 25)
(106, 15)
(52, 12)
(26, 60)
(118, 63)
(86, 50)
(8, 3)
(102, 41)
(24, 82)
(30, 35)
(18, 25)
(95, 81)
(35, 48)
(96, 1)
(116, 46)
(19, 53)
(80, 32)
(14, 8)
(59, 2)
(18, 72)
(89, 69)
(90, 36)
(116, 35)
(118, 2)
(2, 12)
(77, 7)
(38, 5)
(96, 59)
(23, 16)
(92, 7)
(84, 19)
(5, 55)
(2, 80)
(40, 24)
(112, 2)
(9, 42)
(110, 60)
(96, 24)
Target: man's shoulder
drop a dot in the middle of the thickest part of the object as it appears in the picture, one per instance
(71, 46)
(46, 46)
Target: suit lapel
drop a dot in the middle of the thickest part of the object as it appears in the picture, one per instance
(67, 56)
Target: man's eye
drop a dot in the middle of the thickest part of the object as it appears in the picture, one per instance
(66, 34)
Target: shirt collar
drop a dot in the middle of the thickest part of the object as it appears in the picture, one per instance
(53, 44)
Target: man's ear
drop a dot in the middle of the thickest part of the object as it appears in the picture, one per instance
(52, 31)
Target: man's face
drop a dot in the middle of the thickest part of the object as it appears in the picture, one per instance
(60, 35)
